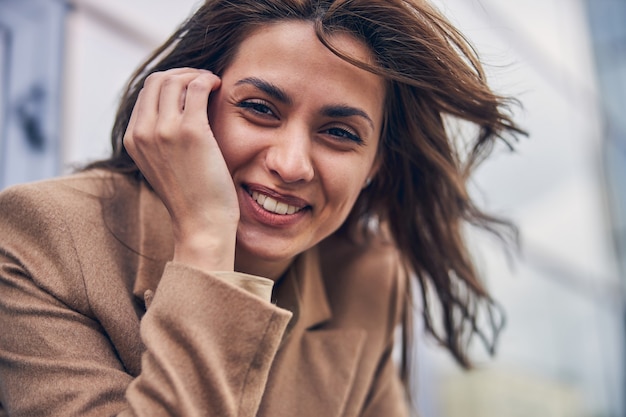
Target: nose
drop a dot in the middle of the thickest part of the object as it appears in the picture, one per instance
(289, 156)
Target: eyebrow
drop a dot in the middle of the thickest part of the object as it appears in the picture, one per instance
(268, 88)
(346, 111)
(336, 111)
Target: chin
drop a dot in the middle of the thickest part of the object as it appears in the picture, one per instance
(267, 251)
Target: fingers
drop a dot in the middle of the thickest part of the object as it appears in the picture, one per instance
(172, 90)
(169, 101)
(198, 91)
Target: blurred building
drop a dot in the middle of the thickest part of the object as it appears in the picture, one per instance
(607, 20)
(63, 65)
(31, 65)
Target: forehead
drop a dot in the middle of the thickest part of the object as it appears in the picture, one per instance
(300, 33)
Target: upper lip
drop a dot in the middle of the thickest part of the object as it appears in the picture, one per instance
(284, 198)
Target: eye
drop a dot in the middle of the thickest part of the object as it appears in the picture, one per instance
(257, 107)
(344, 135)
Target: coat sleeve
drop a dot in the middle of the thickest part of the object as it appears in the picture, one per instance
(213, 362)
(208, 344)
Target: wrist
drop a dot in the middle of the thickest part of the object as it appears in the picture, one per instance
(206, 251)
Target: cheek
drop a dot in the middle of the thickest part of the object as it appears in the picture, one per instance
(217, 120)
(227, 132)
(344, 184)
(215, 108)
(232, 151)
(346, 173)
(224, 138)
(240, 143)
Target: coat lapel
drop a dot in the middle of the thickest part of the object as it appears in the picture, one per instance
(315, 369)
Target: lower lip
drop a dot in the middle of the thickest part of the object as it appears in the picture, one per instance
(258, 213)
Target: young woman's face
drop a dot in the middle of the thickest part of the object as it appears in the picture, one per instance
(299, 129)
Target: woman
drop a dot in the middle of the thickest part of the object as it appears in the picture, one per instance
(280, 169)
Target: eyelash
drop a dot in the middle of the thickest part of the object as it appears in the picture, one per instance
(344, 135)
(262, 109)
(258, 107)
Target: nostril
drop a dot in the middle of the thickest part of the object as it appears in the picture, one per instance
(290, 164)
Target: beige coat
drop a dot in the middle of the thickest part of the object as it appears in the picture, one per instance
(80, 260)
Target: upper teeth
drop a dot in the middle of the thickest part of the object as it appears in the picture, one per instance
(274, 206)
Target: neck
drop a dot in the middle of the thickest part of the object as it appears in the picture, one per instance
(248, 264)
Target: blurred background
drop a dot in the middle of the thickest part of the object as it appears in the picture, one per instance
(63, 64)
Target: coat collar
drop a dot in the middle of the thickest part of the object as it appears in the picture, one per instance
(301, 290)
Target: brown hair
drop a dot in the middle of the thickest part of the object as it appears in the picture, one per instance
(420, 190)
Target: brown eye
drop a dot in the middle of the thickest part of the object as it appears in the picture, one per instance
(344, 135)
(258, 107)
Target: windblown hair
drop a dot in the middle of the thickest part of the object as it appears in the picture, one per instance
(419, 193)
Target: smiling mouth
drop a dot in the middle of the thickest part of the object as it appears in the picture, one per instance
(272, 205)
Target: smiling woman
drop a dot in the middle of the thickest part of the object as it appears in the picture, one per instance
(280, 174)
(301, 129)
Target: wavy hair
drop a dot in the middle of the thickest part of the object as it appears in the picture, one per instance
(419, 193)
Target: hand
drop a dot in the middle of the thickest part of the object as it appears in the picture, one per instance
(170, 139)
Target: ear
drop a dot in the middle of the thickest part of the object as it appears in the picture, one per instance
(372, 172)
